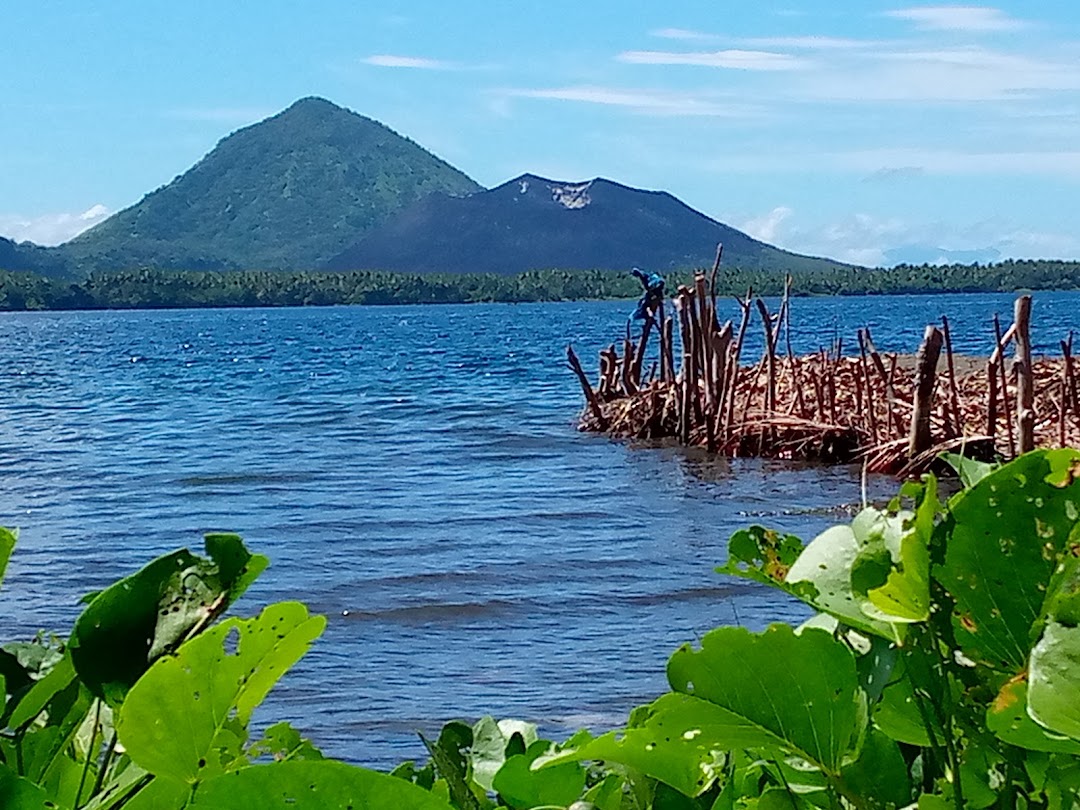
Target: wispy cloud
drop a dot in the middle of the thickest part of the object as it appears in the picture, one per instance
(684, 34)
(414, 62)
(733, 59)
(894, 174)
(811, 43)
(967, 74)
(658, 103)
(958, 18)
(51, 229)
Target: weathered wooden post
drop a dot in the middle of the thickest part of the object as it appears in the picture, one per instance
(1025, 379)
(920, 438)
(590, 395)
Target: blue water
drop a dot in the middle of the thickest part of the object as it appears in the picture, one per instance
(416, 468)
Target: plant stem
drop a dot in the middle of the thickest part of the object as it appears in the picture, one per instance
(109, 749)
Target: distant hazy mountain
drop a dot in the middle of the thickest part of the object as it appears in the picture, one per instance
(534, 223)
(289, 192)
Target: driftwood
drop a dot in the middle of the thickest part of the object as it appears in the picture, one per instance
(894, 413)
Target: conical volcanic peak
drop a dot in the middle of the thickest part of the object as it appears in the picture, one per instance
(288, 192)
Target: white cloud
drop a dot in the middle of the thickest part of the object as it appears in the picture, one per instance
(874, 241)
(958, 18)
(51, 229)
(767, 227)
(683, 34)
(414, 62)
(642, 101)
(731, 59)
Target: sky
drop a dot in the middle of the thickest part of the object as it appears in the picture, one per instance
(870, 132)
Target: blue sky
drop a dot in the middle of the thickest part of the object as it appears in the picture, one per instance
(865, 131)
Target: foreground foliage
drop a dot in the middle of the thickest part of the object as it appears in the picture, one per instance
(942, 669)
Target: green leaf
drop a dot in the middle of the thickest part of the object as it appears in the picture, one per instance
(904, 596)
(679, 740)
(7, 545)
(134, 621)
(970, 471)
(1008, 718)
(17, 793)
(43, 746)
(1004, 538)
(824, 572)
(282, 742)
(521, 787)
(880, 771)
(325, 785)
(1054, 680)
(37, 698)
(490, 739)
(185, 717)
(803, 689)
(449, 753)
(762, 555)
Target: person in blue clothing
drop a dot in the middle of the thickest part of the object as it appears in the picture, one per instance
(653, 284)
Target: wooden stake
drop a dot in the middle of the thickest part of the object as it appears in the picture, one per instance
(1025, 381)
(998, 357)
(926, 360)
(590, 396)
(954, 394)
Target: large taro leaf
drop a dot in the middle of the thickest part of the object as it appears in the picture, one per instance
(325, 785)
(186, 717)
(7, 543)
(134, 621)
(1004, 536)
(801, 689)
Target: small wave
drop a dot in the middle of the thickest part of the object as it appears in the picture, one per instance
(434, 613)
(234, 479)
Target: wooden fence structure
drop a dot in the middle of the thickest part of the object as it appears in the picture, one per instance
(893, 412)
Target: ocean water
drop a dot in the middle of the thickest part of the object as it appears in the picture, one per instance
(414, 474)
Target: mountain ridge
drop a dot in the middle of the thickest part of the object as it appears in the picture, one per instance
(532, 222)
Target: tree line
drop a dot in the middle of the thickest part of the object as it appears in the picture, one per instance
(157, 289)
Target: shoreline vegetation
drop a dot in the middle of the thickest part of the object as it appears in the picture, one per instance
(178, 289)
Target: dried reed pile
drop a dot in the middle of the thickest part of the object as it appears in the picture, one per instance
(895, 413)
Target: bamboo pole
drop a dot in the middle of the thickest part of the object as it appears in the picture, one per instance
(926, 360)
